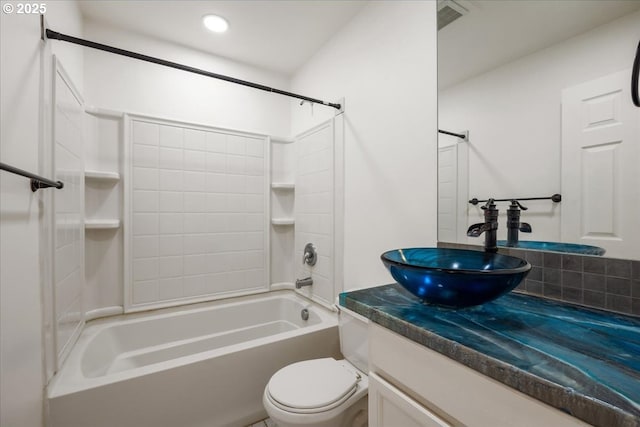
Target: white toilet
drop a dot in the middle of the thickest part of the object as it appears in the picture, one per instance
(324, 392)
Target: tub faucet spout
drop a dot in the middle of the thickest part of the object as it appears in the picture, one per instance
(307, 281)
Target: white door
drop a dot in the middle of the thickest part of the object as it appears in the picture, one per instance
(600, 166)
(452, 193)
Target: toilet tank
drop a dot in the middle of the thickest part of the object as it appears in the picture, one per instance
(354, 342)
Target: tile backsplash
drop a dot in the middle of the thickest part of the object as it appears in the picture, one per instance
(605, 283)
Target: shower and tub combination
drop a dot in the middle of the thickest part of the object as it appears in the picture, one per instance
(191, 303)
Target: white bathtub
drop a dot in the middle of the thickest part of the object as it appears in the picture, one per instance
(205, 365)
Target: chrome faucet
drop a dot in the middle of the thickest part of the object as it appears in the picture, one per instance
(513, 223)
(310, 256)
(307, 281)
(489, 227)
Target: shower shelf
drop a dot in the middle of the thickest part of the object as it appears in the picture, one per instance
(283, 221)
(283, 185)
(101, 224)
(102, 175)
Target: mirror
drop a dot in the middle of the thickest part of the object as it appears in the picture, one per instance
(543, 88)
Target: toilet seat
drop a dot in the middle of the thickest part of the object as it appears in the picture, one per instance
(312, 386)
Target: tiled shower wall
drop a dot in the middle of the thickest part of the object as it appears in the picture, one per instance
(314, 208)
(599, 282)
(198, 213)
(68, 265)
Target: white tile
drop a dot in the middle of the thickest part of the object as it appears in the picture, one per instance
(217, 222)
(171, 223)
(236, 145)
(254, 260)
(171, 201)
(236, 222)
(194, 160)
(145, 201)
(254, 241)
(215, 182)
(195, 244)
(145, 133)
(195, 181)
(195, 264)
(170, 245)
(170, 158)
(216, 203)
(145, 179)
(236, 184)
(171, 136)
(145, 291)
(195, 202)
(255, 278)
(194, 139)
(255, 147)
(254, 203)
(215, 162)
(194, 285)
(171, 288)
(145, 224)
(254, 222)
(170, 180)
(145, 246)
(145, 156)
(195, 223)
(145, 269)
(236, 164)
(216, 142)
(254, 166)
(255, 185)
(217, 262)
(170, 266)
(235, 203)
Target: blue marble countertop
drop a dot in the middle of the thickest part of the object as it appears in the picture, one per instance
(582, 361)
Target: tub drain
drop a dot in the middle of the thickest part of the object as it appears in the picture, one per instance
(304, 313)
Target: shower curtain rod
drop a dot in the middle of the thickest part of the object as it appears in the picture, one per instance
(464, 135)
(63, 37)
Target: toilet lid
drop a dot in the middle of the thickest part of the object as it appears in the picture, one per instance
(312, 384)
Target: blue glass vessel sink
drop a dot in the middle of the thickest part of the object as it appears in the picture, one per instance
(572, 248)
(455, 278)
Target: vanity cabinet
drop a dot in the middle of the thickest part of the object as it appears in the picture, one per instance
(389, 406)
(412, 385)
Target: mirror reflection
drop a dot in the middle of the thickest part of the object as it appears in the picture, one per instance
(543, 89)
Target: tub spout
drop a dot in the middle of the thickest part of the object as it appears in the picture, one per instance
(307, 281)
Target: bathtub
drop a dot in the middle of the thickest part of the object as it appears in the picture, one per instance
(203, 365)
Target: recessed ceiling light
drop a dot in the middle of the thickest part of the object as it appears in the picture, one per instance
(215, 23)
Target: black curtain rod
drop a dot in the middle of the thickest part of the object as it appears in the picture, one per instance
(37, 181)
(63, 37)
(446, 132)
(556, 198)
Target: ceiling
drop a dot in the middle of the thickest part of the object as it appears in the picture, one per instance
(496, 32)
(278, 35)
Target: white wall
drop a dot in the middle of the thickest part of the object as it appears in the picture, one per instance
(513, 115)
(384, 64)
(129, 85)
(21, 339)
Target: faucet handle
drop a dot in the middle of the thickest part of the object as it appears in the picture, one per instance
(489, 205)
(525, 227)
(515, 202)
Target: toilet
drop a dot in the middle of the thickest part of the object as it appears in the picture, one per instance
(324, 392)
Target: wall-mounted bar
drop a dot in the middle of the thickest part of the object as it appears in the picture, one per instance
(556, 198)
(464, 135)
(37, 181)
(63, 37)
